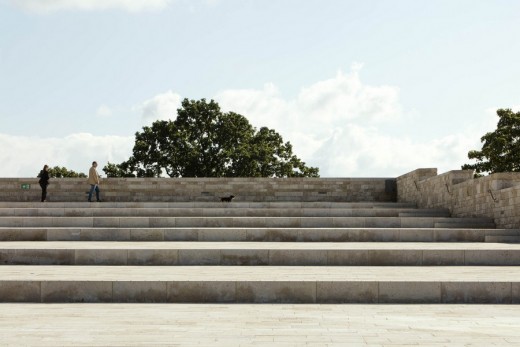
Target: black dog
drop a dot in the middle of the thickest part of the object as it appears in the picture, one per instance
(227, 198)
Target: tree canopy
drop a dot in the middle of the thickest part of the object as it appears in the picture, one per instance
(203, 141)
(501, 148)
(60, 172)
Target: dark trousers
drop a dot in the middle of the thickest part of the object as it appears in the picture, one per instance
(92, 188)
(44, 191)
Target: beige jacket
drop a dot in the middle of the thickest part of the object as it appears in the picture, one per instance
(93, 177)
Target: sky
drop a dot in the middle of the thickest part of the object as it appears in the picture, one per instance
(360, 88)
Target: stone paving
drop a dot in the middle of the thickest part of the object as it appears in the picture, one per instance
(258, 325)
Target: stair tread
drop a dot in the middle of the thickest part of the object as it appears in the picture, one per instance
(42, 273)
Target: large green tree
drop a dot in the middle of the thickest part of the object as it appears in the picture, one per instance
(501, 148)
(205, 142)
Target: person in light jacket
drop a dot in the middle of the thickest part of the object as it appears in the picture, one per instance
(93, 180)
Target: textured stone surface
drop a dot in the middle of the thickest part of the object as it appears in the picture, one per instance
(426, 291)
(347, 292)
(276, 292)
(476, 292)
(20, 291)
(207, 189)
(260, 284)
(201, 291)
(259, 253)
(76, 291)
(496, 196)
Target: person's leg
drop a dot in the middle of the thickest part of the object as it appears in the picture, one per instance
(92, 187)
(97, 193)
(44, 191)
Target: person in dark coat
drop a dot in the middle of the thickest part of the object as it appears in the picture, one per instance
(44, 181)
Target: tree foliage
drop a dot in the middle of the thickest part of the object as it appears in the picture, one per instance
(501, 148)
(60, 172)
(205, 142)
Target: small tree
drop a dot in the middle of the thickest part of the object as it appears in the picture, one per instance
(204, 142)
(501, 148)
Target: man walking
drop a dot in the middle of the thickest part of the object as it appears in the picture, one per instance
(93, 180)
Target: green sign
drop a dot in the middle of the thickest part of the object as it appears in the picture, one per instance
(26, 186)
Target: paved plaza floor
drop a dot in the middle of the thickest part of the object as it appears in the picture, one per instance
(258, 325)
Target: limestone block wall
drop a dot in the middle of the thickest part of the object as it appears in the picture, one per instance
(496, 196)
(206, 189)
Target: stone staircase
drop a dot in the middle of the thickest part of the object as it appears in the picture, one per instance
(300, 252)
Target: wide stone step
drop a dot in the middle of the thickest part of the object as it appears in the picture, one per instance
(275, 222)
(222, 212)
(249, 234)
(306, 284)
(206, 204)
(257, 253)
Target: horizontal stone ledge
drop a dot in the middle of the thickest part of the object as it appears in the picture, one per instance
(220, 211)
(284, 222)
(248, 234)
(201, 204)
(260, 284)
(257, 253)
(332, 246)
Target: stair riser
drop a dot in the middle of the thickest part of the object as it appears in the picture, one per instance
(221, 212)
(252, 222)
(273, 257)
(234, 204)
(503, 238)
(261, 292)
(245, 234)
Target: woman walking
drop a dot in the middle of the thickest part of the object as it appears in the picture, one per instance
(44, 181)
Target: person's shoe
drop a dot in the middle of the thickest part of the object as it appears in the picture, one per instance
(99, 200)
(89, 200)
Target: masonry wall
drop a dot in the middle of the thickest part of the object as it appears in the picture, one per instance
(496, 196)
(206, 189)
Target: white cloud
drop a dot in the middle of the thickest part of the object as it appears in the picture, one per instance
(161, 107)
(365, 151)
(336, 125)
(104, 111)
(49, 6)
(318, 108)
(27, 155)
(346, 98)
